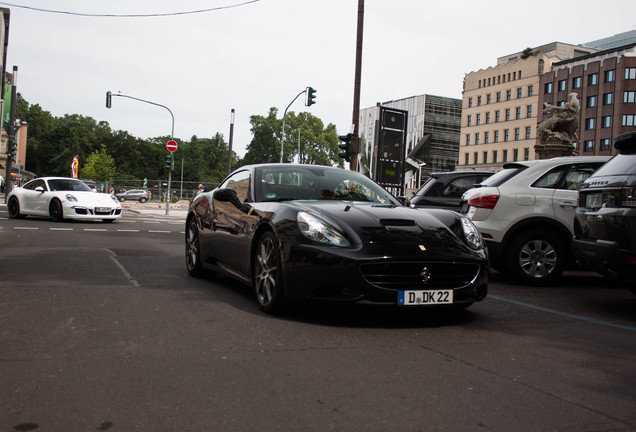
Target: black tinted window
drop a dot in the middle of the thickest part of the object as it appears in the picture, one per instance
(620, 164)
(503, 176)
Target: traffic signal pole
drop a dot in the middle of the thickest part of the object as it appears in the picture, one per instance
(11, 132)
(109, 95)
(356, 90)
(311, 95)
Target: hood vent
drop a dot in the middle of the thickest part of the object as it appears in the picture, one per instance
(397, 222)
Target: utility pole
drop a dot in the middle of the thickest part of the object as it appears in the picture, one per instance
(229, 153)
(12, 130)
(353, 166)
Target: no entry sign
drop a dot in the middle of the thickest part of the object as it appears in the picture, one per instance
(171, 146)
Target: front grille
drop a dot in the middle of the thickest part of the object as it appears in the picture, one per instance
(408, 275)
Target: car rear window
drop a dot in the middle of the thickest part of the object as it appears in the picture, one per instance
(621, 164)
(503, 176)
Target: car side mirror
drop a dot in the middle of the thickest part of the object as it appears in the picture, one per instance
(229, 195)
(39, 189)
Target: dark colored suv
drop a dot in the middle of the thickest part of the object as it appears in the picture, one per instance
(444, 190)
(605, 221)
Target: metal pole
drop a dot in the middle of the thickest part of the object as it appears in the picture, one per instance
(171, 138)
(353, 166)
(282, 135)
(229, 152)
(11, 132)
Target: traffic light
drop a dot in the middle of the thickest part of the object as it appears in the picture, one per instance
(12, 147)
(170, 161)
(108, 99)
(345, 146)
(311, 96)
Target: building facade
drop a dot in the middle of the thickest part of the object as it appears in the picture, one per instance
(501, 106)
(432, 135)
(605, 84)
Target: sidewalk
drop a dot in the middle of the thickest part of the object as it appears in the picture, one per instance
(178, 210)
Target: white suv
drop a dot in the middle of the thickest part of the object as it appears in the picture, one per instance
(525, 213)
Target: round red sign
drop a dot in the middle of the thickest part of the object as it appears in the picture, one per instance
(171, 146)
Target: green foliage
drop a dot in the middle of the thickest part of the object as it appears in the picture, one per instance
(100, 166)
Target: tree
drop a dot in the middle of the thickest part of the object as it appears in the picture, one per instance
(100, 166)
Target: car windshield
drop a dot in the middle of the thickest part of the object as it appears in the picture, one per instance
(282, 183)
(68, 185)
(502, 176)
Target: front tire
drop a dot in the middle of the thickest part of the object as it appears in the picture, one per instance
(142, 200)
(537, 258)
(121, 199)
(267, 277)
(193, 250)
(56, 211)
(14, 208)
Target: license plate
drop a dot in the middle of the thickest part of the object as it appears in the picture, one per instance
(418, 298)
(594, 201)
(102, 209)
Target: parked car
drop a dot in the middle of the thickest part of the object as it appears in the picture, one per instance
(525, 212)
(61, 198)
(605, 221)
(134, 195)
(322, 233)
(444, 190)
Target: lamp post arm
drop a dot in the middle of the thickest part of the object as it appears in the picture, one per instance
(151, 103)
(282, 135)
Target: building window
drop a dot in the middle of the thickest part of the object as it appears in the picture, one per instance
(529, 111)
(477, 139)
(562, 85)
(629, 120)
(606, 122)
(478, 119)
(469, 120)
(476, 158)
(470, 102)
(530, 90)
(528, 129)
(605, 144)
(629, 97)
(488, 99)
(526, 153)
(486, 137)
(496, 116)
(589, 146)
(467, 139)
(466, 159)
(485, 157)
(505, 155)
(589, 124)
(630, 73)
(517, 113)
(507, 114)
(496, 136)
(515, 155)
(487, 118)
(506, 135)
(610, 75)
(592, 79)
(516, 134)
(478, 100)
(548, 88)
(591, 101)
(608, 98)
(494, 156)
(508, 95)
(576, 82)
(519, 94)
(498, 96)
(560, 103)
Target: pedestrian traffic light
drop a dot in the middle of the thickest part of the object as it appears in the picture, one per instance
(345, 146)
(108, 99)
(12, 148)
(170, 161)
(311, 96)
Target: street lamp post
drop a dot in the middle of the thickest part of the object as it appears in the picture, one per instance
(108, 96)
(282, 135)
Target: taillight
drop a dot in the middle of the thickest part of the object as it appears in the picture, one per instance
(485, 201)
(628, 198)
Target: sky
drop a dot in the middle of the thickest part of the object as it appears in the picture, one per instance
(251, 55)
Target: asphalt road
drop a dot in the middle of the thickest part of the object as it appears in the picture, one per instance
(101, 328)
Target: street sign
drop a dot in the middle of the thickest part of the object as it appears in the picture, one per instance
(171, 146)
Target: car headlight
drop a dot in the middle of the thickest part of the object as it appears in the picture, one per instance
(472, 236)
(71, 198)
(319, 231)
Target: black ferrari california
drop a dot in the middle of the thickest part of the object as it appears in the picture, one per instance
(321, 233)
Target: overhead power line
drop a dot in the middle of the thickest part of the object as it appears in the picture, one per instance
(129, 15)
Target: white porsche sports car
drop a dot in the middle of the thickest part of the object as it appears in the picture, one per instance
(62, 198)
